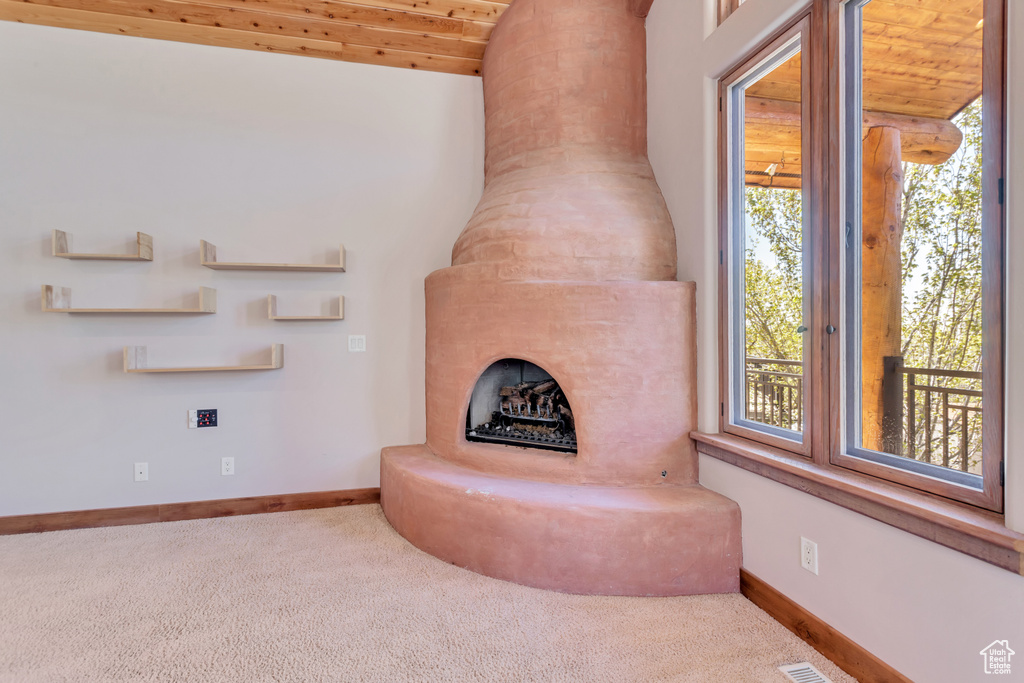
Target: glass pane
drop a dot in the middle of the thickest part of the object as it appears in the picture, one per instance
(918, 271)
(772, 346)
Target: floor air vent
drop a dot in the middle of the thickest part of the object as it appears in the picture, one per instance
(803, 673)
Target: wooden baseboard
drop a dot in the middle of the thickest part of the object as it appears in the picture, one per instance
(175, 512)
(846, 654)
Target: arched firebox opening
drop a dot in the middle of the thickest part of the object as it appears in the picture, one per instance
(517, 403)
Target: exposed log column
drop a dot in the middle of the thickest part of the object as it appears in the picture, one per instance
(881, 271)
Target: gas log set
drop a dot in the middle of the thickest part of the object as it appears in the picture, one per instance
(534, 414)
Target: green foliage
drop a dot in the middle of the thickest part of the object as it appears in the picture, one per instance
(942, 307)
(942, 320)
(774, 287)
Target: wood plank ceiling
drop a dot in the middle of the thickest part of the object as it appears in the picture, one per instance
(435, 35)
(922, 64)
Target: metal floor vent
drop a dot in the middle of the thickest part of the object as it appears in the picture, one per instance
(803, 672)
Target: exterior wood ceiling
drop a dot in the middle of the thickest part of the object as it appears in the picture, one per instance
(922, 64)
(435, 35)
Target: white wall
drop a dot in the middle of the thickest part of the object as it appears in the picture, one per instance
(269, 157)
(922, 608)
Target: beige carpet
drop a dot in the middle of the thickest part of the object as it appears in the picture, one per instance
(337, 595)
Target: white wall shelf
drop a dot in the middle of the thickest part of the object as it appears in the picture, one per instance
(58, 300)
(135, 362)
(208, 258)
(338, 314)
(62, 249)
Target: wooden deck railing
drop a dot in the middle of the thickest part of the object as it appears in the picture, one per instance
(775, 393)
(943, 417)
(933, 415)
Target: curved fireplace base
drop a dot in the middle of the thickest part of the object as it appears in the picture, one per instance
(598, 540)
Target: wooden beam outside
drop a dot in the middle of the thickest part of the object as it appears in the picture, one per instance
(923, 140)
(881, 280)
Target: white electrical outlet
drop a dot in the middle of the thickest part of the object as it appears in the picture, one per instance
(193, 419)
(809, 555)
(357, 343)
(227, 466)
(142, 471)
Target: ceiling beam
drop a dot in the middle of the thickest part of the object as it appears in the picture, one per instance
(776, 123)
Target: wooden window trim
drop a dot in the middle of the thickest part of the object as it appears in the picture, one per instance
(801, 27)
(964, 528)
(990, 496)
(824, 430)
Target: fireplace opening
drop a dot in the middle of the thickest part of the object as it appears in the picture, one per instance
(517, 403)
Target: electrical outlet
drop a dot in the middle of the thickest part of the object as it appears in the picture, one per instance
(227, 467)
(142, 471)
(357, 343)
(809, 555)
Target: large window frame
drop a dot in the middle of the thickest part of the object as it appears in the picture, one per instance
(797, 38)
(826, 102)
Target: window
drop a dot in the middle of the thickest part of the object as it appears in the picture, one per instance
(767, 247)
(727, 7)
(862, 233)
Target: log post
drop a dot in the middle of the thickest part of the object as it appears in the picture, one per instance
(881, 273)
(892, 405)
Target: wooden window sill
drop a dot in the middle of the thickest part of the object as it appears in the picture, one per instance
(969, 530)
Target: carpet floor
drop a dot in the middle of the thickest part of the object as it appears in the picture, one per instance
(337, 595)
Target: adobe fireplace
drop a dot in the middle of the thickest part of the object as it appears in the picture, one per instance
(568, 263)
(517, 403)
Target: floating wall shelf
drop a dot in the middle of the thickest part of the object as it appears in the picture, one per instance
(272, 311)
(208, 258)
(58, 300)
(135, 361)
(62, 249)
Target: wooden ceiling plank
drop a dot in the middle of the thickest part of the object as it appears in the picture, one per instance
(413, 60)
(477, 10)
(912, 58)
(954, 23)
(949, 6)
(223, 37)
(966, 79)
(476, 30)
(265, 24)
(946, 98)
(348, 13)
(924, 40)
